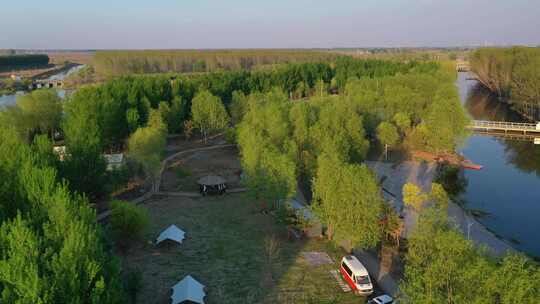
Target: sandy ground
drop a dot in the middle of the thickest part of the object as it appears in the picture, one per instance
(394, 176)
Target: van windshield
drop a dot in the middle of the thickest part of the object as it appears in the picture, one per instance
(362, 280)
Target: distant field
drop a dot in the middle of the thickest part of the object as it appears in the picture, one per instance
(159, 61)
(56, 60)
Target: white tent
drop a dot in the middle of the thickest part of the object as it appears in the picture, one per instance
(172, 233)
(188, 290)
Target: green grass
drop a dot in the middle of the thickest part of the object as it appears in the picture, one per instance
(228, 248)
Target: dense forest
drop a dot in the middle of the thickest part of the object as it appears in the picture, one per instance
(140, 62)
(51, 248)
(325, 138)
(511, 73)
(12, 62)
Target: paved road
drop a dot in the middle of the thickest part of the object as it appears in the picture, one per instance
(394, 176)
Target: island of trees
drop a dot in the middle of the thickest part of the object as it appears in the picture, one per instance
(312, 122)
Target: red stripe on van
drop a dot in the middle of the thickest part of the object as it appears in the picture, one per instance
(347, 278)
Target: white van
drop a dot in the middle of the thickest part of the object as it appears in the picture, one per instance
(356, 275)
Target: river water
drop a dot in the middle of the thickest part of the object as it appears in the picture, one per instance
(507, 189)
(12, 98)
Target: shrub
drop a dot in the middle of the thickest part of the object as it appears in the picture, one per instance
(127, 221)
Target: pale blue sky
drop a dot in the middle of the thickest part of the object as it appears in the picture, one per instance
(157, 24)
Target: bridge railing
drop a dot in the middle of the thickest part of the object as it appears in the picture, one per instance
(503, 125)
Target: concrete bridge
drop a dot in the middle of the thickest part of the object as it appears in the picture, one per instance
(46, 84)
(505, 127)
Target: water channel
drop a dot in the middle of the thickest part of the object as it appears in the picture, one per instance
(507, 189)
(10, 99)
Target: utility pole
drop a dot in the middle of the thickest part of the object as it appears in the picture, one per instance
(469, 230)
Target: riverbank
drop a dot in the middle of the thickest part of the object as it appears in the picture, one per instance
(393, 176)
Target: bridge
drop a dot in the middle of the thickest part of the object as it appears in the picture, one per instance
(462, 66)
(504, 126)
(46, 84)
(510, 130)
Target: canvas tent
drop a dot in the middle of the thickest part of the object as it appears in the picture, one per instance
(188, 290)
(172, 233)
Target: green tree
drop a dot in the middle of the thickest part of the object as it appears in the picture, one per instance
(146, 146)
(439, 196)
(127, 221)
(321, 88)
(209, 114)
(50, 244)
(238, 107)
(43, 108)
(132, 117)
(178, 114)
(434, 271)
(84, 167)
(37, 112)
(413, 196)
(348, 200)
(403, 122)
(387, 135)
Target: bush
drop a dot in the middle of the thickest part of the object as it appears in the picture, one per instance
(127, 221)
(119, 177)
(182, 172)
(230, 135)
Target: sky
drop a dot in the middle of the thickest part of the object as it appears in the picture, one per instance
(194, 24)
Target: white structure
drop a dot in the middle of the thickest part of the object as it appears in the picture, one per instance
(188, 290)
(172, 233)
(114, 161)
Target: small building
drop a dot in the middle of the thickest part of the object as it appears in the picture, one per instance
(114, 161)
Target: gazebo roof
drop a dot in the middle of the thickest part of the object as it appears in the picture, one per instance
(188, 289)
(211, 180)
(172, 233)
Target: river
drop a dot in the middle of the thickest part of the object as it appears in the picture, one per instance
(507, 189)
(12, 98)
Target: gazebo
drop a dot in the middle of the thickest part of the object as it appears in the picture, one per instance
(212, 184)
(188, 290)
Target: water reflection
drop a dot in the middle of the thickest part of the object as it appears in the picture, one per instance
(482, 105)
(507, 188)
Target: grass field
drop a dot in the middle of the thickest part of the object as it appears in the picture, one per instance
(241, 255)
